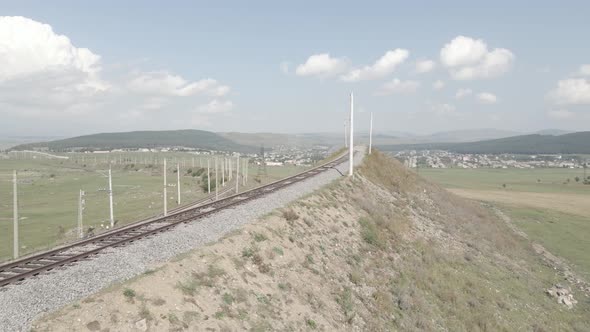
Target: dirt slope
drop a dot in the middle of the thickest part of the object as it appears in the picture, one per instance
(383, 251)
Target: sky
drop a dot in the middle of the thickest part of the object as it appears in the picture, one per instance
(77, 67)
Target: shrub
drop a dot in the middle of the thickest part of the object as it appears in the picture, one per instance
(370, 233)
(259, 237)
(290, 215)
(129, 293)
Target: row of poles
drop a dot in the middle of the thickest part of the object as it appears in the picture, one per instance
(226, 168)
(350, 136)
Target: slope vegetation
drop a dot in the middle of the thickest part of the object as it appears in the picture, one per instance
(383, 251)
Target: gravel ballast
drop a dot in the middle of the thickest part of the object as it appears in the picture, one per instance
(21, 304)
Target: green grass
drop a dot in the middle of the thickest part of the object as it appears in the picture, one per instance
(552, 179)
(565, 235)
(48, 206)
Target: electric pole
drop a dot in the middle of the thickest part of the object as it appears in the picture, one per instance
(111, 198)
(216, 182)
(15, 215)
(351, 145)
(237, 173)
(371, 134)
(208, 178)
(178, 181)
(345, 135)
(165, 191)
(81, 204)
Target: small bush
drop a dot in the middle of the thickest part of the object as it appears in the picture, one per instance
(355, 276)
(129, 293)
(290, 215)
(370, 233)
(228, 298)
(188, 287)
(248, 252)
(278, 250)
(310, 323)
(145, 313)
(259, 237)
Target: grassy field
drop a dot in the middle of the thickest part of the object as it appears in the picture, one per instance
(566, 235)
(542, 202)
(48, 193)
(540, 180)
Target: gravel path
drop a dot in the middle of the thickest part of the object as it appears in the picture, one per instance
(21, 304)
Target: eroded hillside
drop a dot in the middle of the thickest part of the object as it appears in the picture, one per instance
(383, 251)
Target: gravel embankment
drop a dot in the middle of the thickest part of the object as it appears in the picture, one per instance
(22, 303)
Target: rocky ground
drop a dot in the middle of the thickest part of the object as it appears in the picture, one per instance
(382, 251)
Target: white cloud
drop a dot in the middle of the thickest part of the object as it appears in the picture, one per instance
(425, 66)
(381, 68)
(29, 47)
(573, 91)
(46, 79)
(468, 59)
(322, 65)
(164, 83)
(463, 93)
(560, 114)
(438, 85)
(487, 98)
(216, 106)
(42, 69)
(398, 86)
(584, 70)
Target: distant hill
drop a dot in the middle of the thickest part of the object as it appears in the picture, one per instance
(190, 138)
(7, 142)
(554, 132)
(272, 139)
(574, 143)
(469, 135)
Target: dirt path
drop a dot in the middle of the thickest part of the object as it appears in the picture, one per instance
(567, 203)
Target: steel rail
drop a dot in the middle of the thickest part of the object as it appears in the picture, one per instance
(46, 261)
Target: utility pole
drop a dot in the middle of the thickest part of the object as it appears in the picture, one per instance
(371, 134)
(244, 172)
(230, 171)
(345, 135)
(223, 173)
(81, 204)
(111, 198)
(237, 173)
(165, 191)
(15, 215)
(208, 178)
(216, 182)
(178, 181)
(351, 145)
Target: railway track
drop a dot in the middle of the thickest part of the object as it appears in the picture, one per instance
(31, 266)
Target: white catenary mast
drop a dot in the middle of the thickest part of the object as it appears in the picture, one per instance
(371, 134)
(208, 178)
(351, 144)
(81, 214)
(15, 215)
(111, 198)
(165, 191)
(178, 182)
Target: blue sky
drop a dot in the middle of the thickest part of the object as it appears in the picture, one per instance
(252, 51)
